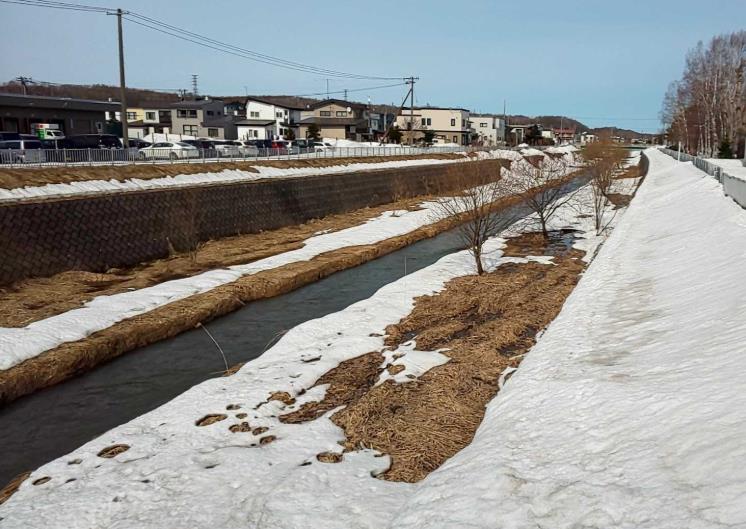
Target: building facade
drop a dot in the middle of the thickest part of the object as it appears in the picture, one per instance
(336, 119)
(18, 113)
(202, 118)
(448, 125)
(487, 129)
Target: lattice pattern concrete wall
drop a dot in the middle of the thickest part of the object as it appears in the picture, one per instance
(42, 237)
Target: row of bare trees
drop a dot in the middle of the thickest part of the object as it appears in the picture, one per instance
(706, 109)
(537, 180)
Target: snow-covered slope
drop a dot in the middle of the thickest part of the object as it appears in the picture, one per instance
(631, 410)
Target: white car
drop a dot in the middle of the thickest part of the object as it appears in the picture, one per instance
(245, 148)
(172, 150)
(227, 148)
(321, 146)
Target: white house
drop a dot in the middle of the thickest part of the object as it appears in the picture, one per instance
(270, 117)
(488, 129)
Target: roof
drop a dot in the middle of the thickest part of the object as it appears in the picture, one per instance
(255, 122)
(333, 122)
(437, 108)
(195, 104)
(340, 102)
(63, 103)
(289, 102)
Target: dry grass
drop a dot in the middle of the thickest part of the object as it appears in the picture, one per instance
(212, 418)
(8, 490)
(113, 451)
(31, 176)
(486, 322)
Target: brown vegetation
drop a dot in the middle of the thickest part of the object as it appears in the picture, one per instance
(486, 322)
(8, 490)
(36, 176)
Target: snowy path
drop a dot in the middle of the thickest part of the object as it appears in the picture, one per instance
(631, 410)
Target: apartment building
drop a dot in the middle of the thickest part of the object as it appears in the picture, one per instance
(448, 125)
(487, 129)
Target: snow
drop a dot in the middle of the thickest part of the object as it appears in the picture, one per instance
(224, 176)
(630, 410)
(734, 168)
(178, 474)
(18, 344)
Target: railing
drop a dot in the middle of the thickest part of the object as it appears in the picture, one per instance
(83, 157)
(733, 186)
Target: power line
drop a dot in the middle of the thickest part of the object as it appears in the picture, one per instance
(201, 40)
(369, 88)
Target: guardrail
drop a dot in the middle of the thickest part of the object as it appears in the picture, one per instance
(85, 157)
(733, 186)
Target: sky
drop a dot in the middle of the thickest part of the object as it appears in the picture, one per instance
(605, 63)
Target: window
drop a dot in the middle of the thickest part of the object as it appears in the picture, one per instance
(453, 123)
(254, 114)
(255, 133)
(210, 113)
(463, 123)
(186, 113)
(191, 130)
(278, 114)
(325, 113)
(131, 116)
(455, 138)
(341, 114)
(483, 125)
(426, 122)
(150, 116)
(212, 133)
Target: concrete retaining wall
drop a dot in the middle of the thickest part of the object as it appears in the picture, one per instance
(42, 237)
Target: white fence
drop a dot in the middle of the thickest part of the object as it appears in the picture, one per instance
(85, 157)
(733, 186)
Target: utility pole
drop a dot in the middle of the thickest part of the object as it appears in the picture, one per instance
(410, 81)
(122, 83)
(345, 94)
(24, 83)
(327, 88)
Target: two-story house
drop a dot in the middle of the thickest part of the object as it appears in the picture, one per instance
(336, 119)
(448, 125)
(152, 118)
(271, 117)
(202, 118)
(487, 129)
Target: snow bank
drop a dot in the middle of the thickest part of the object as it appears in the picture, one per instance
(734, 168)
(631, 409)
(176, 474)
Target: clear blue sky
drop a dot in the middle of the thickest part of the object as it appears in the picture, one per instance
(605, 62)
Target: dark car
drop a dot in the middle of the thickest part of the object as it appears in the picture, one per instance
(92, 141)
(138, 143)
(9, 136)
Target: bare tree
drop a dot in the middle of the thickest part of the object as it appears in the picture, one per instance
(477, 205)
(540, 180)
(604, 161)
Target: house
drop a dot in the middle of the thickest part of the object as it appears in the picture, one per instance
(564, 135)
(235, 107)
(336, 119)
(73, 116)
(204, 118)
(284, 112)
(448, 125)
(586, 137)
(153, 117)
(487, 129)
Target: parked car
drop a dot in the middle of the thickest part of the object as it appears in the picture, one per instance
(247, 148)
(138, 143)
(170, 150)
(321, 146)
(227, 148)
(92, 141)
(206, 147)
(9, 136)
(26, 149)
